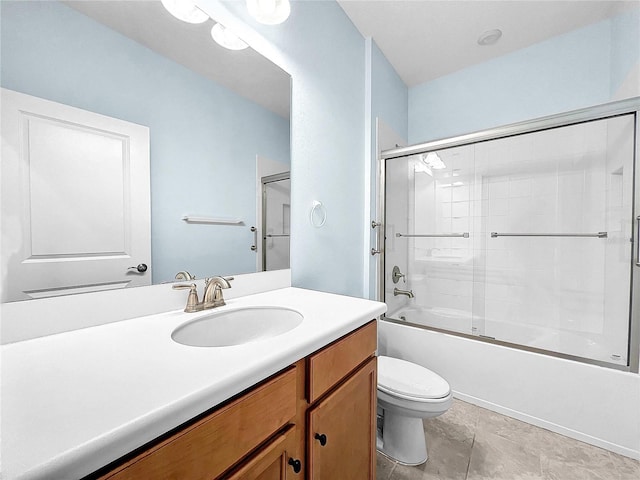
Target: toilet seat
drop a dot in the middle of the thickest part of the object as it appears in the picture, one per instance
(409, 381)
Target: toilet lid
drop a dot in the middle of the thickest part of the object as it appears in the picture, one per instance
(404, 378)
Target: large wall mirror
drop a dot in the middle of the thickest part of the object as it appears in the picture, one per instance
(92, 88)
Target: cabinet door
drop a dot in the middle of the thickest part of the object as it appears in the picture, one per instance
(341, 433)
(273, 462)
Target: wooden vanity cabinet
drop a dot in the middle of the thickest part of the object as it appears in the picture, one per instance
(207, 448)
(341, 418)
(314, 420)
(341, 430)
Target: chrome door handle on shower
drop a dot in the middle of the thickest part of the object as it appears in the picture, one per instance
(254, 247)
(374, 225)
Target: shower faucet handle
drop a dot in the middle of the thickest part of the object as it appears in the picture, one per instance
(396, 274)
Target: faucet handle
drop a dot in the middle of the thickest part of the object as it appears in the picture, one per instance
(193, 304)
(220, 282)
(184, 275)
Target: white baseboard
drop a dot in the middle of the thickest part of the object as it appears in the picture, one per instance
(538, 422)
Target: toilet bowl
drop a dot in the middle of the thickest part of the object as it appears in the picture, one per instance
(407, 393)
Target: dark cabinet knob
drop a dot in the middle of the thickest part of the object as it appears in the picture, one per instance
(295, 464)
(322, 438)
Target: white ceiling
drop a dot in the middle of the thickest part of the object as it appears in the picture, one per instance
(147, 22)
(426, 39)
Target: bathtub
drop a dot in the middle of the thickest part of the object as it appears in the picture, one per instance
(581, 345)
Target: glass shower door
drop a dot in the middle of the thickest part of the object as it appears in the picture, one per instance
(556, 217)
(429, 207)
(523, 240)
(276, 214)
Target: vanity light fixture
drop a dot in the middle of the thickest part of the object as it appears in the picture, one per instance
(269, 12)
(433, 161)
(226, 38)
(185, 10)
(490, 37)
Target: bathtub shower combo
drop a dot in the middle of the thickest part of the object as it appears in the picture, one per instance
(525, 235)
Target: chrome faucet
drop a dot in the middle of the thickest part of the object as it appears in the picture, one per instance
(213, 291)
(397, 291)
(212, 294)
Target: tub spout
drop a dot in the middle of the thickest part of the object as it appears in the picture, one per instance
(397, 291)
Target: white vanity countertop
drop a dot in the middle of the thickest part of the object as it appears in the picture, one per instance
(76, 401)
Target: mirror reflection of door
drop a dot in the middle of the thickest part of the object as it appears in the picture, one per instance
(75, 200)
(276, 214)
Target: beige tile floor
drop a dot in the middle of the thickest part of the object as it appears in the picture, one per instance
(472, 443)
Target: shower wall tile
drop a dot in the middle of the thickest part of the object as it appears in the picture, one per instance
(480, 207)
(544, 185)
(449, 287)
(498, 260)
(497, 206)
(544, 205)
(460, 193)
(446, 209)
(497, 224)
(571, 183)
(499, 311)
(520, 187)
(461, 224)
(460, 209)
(498, 189)
(496, 291)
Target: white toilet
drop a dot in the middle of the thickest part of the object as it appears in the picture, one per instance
(407, 393)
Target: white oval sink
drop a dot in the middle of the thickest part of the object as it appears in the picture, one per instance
(236, 327)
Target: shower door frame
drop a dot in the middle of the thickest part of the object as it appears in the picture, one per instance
(597, 112)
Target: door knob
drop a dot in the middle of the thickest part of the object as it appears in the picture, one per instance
(295, 464)
(322, 438)
(140, 268)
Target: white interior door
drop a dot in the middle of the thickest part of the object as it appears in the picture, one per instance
(75, 200)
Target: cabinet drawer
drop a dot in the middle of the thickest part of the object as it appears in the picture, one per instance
(207, 448)
(331, 364)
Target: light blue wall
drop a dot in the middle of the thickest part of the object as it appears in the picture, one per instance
(567, 72)
(204, 138)
(389, 94)
(389, 104)
(625, 47)
(325, 54)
